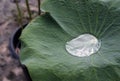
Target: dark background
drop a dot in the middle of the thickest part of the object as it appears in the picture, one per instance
(9, 67)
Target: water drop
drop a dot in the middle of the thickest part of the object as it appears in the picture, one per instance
(83, 45)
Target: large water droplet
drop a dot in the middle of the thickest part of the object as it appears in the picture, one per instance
(83, 45)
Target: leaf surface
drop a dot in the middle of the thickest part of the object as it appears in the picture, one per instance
(43, 41)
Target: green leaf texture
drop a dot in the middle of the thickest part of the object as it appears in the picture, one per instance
(43, 41)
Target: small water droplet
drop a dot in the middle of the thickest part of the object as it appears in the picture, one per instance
(83, 45)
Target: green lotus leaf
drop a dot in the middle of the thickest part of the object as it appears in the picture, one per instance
(44, 41)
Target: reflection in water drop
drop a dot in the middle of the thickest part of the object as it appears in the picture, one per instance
(83, 45)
